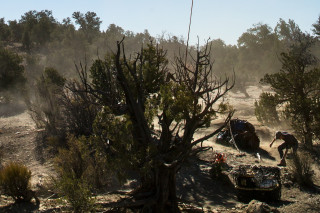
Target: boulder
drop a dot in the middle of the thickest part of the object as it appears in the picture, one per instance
(259, 207)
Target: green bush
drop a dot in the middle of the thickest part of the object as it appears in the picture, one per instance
(300, 167)
(74, 159)
(77, 192)
(11, 70)
(266, 108)
(15, 181)
(76, 174)
(80, 160)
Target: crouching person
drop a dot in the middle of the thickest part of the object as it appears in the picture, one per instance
(289, 142)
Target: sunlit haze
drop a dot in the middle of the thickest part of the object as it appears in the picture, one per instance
(226, 20)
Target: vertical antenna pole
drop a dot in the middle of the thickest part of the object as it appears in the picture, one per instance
(185, 64)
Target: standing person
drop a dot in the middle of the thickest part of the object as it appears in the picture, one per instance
(289, 142)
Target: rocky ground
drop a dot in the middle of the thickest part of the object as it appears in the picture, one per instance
(18, 142)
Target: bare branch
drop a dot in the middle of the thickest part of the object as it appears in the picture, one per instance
(216, 131)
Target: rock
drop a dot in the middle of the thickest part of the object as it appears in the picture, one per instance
(240, 206)
(259, 207)
(287, 183)
(240, 155)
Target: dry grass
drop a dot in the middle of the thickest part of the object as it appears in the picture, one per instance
(300, 167)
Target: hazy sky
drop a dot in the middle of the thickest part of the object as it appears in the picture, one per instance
(226, 19)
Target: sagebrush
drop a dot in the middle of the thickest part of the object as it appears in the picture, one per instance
(15, 182)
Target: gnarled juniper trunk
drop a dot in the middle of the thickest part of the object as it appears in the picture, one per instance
(165, 186)
(162, 183)
(159, 190)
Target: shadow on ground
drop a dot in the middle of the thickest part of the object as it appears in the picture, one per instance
(11, 109)
(263, 153)
(194, 184)
(19, 207)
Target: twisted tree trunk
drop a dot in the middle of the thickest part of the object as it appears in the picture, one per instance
(165, 185)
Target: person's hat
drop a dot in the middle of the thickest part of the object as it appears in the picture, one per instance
(278, 134)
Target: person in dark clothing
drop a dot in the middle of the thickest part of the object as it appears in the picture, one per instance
(289, 142)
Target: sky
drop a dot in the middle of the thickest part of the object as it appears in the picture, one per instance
(211, 19)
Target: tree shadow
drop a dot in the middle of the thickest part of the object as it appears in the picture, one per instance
(41, 151)
(314, 152)
(312, 189)
(11, 109)
(195, 185)
(20, 207)
(279, 203)
(263, 153)
(309, 190)
(56, 209)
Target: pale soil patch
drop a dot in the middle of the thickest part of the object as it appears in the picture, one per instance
(18, 143)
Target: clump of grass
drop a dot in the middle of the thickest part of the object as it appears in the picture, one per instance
(15, 182)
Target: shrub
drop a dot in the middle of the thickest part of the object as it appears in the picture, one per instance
(11, 70)
(15, 182)
(77, 192)
(80, 160)
(300, 167)
(74, 159)
(79, 109)
(72, 164)
(45, 107)
(266, 109)
(62, 107)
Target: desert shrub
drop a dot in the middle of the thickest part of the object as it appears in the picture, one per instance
(72, 182)
(79, 108)
(300, 168)
(54, 142)
(74, 159)
(12, 77)
(77, 193)
(11, 70)
(62, 107)
(265, 108)
(44, 107)
(79, 160)
(15, 181)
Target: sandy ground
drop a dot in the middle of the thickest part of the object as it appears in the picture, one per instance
(18, 143)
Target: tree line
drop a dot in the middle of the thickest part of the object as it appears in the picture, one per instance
(53, 44)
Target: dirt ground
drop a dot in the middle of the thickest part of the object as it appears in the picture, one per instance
(18, 142)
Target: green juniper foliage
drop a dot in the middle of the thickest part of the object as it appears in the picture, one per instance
(296, 88)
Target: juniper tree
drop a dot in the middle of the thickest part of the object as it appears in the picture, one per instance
(12, 77)
(296, 87)
(151, 115)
